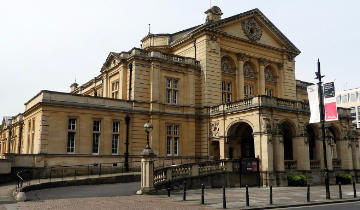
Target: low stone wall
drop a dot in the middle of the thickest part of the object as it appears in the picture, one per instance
(5, 167)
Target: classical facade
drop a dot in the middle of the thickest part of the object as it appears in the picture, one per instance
(222, 89)
(350, 99)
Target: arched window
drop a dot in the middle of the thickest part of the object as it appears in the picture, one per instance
(249, 70)
(227, 65)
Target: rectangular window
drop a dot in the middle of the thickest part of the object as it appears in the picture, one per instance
(115, 90)
(358, 109)
(172, 91)
(72, 124)
(96, 126)
(251, 90)
(70, 148)
(115, 143)
(96, 136)
(115, 138)
(96, 142)
(226, 91)
(338, 99)
(246, 89)
(172, 139)
(344, 99)
(353, 97)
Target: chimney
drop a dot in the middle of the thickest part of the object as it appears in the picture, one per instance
(73, 86)
(213, 14)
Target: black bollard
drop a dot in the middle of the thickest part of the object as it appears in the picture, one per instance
(224, 198)
(354, 186)
(168, 191)
(247, 196)
(271, 196)
(184, 196)
(340, 191)
(308, 193)
(202, 194)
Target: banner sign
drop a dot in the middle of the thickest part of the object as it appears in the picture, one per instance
(313, 95)
(330, 102)
(249, 165)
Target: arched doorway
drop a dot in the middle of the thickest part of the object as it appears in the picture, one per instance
(287, 134)
(332, 136)
(241, 141)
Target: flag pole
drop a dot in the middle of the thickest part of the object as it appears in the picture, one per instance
(322, 120)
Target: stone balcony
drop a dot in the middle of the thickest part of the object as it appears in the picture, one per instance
(260, 101)
(264, 101)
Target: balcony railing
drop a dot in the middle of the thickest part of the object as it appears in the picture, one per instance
(261, 101)
(314, 164)
(336, 163)
(290, 164)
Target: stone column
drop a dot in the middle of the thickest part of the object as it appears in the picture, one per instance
(319, 152)
(278, 144)
(147, 172)
(301, 153)
(105, 86)
(345, 154)
(264, 151)
(224, 149)
(240, 76)
(355, 154)
(261, 79)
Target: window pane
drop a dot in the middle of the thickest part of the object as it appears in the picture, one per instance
(96, 126)
(168, 145)
(229, 86)
(115, 127)
(344, 98)
(352, 97)
(176, 146)
(115, 142)
(175, 83)
(95, 146)
(169, 130)
(168, 83)
(168, 96)
(175, 97)
(338, 100)
(245, 89)
(228, 98)
(223, 85)
(71, 143)
(176, 130)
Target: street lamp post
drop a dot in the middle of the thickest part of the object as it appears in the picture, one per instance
(322, 120)
(148, 128)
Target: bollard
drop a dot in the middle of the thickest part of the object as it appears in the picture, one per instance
(168, 191)
(224, 198)
(184, 196)
(308, 193)
(100, 169)
(354, 186)
(271, 195)
(247, 196)
(202, 194)
(340, 191)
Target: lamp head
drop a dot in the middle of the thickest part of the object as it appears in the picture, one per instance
(148, 127)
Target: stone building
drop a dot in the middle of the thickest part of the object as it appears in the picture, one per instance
(222, 89)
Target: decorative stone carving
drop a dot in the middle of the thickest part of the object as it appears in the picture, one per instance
(214, 129)
(280, 66)
(269, 75)
(241, 56)
(227, 65)
(249, 70)
(263, 61)
(252, 29)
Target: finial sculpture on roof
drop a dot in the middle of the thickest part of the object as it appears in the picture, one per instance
(213, 14)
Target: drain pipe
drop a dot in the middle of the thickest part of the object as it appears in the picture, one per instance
(20, 136)
(127, 121)
(130, 80)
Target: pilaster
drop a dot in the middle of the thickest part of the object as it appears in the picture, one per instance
(261, 85)
(240, 76)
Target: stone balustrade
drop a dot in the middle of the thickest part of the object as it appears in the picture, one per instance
(260, 101)
(290, 164)
(315, 164)
(176, 172)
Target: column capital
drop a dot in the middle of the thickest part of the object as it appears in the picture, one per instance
(262, 61)
(280, 65)
(241, 56)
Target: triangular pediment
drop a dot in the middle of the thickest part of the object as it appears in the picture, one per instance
(253, 26)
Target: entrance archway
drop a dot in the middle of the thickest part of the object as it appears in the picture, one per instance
(241, 141)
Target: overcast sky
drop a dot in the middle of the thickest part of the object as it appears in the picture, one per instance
(44, 45)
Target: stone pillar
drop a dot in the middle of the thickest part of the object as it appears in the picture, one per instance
(345, 154)
(278, 153)
(319, 152)
(264, 151)
(280, 81)
(301, 153)
(147, 172)
(355, 155)
(105, 86)
(240, 76)
(224, 149)
(261, 79)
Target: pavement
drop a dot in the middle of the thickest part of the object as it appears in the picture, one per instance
(121, 196)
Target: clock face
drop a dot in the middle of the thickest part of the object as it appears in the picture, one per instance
(252, 29)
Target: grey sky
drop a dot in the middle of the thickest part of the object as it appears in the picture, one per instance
(45, 44)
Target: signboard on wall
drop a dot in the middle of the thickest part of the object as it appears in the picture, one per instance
(249, 165)
(330, 102)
